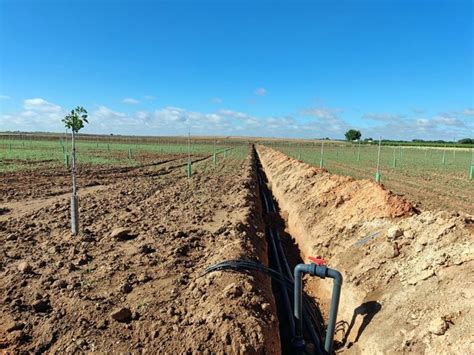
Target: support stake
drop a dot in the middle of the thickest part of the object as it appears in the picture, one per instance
(321, 161)
(378, 176)
(74, 215)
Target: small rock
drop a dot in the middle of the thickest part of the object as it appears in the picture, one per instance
(394, 232)
(24, 267)
(122, 234)
(339, 201)
(438, 326)
(143, 278)
(126, 288)
(123, 314)
(265, 306)
(60, 284)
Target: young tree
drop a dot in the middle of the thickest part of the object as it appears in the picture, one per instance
(75, 121)
(353, 134)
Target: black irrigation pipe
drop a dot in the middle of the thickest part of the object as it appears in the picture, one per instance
(241, 265)
(286, 299)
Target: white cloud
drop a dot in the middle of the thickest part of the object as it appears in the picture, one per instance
(437, 127)
(327, 121)
(234, 114)
(107, 113)
(385, 117)
(468, 112)
(217, 100)
(447, 121)
(260, 92)
(130, 100)
(149, 97)
(37, 114)
(41, 105)
(322, 112)
(142, 115)
(5, 97)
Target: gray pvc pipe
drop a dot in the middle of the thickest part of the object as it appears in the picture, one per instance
(300, 269)
(336, 294)
(323, 272)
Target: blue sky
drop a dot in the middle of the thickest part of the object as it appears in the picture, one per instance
(398, 68)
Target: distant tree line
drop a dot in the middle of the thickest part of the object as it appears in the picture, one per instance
(440, 141)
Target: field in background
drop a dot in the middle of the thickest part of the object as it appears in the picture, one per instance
(27, 152)
(435, 177)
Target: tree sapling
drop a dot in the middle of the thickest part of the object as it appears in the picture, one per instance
(75, 122)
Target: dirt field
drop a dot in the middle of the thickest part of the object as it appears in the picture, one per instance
(133, 280)
(408, 276)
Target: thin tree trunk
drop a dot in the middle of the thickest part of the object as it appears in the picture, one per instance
(74, 202)
(73, 170)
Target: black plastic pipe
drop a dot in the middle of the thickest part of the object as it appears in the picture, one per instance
(286, 299)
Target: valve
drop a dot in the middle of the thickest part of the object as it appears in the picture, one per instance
(318, 260)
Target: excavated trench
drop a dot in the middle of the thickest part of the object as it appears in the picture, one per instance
(402, 268)
(284, 255)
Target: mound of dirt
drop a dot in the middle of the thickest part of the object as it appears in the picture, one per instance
(408, 277)
(133, 280)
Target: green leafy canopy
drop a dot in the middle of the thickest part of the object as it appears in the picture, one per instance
(76, 119)
(353, 134)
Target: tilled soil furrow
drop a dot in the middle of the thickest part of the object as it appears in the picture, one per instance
(132, 281)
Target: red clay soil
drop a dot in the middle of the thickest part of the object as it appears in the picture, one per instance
(408, 278)
(132, 281)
